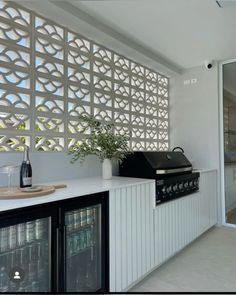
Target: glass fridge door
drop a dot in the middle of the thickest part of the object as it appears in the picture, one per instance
(25, 256)
(83, 249)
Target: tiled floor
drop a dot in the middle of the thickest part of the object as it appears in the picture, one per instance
(207, 265)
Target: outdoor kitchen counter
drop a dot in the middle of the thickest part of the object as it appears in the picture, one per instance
(142, 236)
(75, 188)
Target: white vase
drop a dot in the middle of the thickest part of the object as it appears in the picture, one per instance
(106, 169)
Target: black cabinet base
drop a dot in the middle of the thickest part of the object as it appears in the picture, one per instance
(43, 246)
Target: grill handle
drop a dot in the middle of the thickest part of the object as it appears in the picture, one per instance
(178, 148)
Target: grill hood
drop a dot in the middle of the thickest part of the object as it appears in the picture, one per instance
(152, 164)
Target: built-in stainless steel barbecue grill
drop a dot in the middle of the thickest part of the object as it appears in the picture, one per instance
(172, 171)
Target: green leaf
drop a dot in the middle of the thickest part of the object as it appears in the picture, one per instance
(101, 141)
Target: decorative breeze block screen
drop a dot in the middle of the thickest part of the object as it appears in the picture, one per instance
(49, 75)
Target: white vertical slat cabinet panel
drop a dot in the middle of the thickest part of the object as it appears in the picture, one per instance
(208, 204)
(134, 232)
(147, 231)
(204, 205)
(214, 198)
(152, 204)
(144, 261)
(179, 222)
(210, 201)
(124, 265)
(131, 234)
(158, 238)
(118, 245)
(112, 241)
(138, 229)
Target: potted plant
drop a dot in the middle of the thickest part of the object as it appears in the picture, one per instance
(102, 142)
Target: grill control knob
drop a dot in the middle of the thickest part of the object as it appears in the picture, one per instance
(181, 185)
(174, 188)
(196, 182)
(169, 189)
(164, 189)
(186, 184)
(190, 183)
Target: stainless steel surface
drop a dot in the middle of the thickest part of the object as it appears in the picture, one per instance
(175, 170)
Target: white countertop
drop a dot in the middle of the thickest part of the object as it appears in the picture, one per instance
(75, 188)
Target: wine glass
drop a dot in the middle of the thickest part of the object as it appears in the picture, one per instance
(9, 170)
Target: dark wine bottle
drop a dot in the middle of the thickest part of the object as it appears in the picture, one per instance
(26, 170)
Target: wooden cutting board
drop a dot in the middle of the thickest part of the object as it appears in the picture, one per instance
(18, 194)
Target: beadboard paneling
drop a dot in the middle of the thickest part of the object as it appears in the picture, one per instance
(143, 236)
(131, 234)
(179, 222)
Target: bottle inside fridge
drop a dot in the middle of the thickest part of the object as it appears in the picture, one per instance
(24, 257)
(83, 249)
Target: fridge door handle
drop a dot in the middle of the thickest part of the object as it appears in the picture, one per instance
(57, 260)
(64, 255)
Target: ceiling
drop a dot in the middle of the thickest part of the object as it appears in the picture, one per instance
(178, 34)
(186, 32)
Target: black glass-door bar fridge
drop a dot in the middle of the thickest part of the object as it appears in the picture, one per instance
(56, 247)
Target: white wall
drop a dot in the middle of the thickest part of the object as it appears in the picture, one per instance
(194, 118)
(52, 167)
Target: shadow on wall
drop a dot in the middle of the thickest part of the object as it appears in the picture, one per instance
(52, 167)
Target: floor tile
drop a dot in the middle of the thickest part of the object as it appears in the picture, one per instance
(206, 265)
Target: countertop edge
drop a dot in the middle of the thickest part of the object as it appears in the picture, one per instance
(78, 188)
(75, 188)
